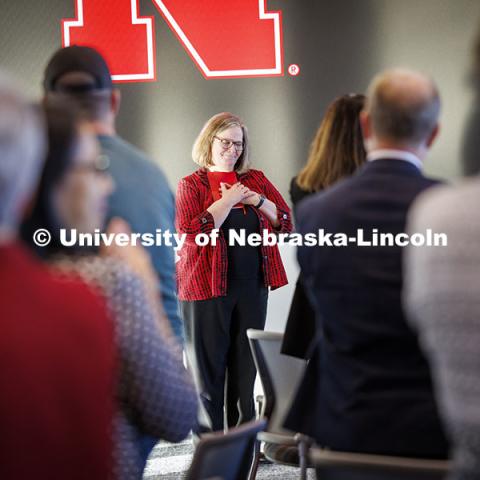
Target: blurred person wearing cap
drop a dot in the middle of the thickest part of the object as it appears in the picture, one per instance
(51, 425)
(142, 196)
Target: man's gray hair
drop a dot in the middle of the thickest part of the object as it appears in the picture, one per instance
(22, 150)
(404, 106)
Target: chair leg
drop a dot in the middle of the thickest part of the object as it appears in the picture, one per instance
(256, 461)
(302, 455)
(304, 444)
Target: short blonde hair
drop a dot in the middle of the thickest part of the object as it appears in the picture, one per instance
(202, 147)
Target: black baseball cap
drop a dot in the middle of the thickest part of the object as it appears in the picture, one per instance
(77, 59)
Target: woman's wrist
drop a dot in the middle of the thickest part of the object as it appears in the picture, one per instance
(260, 201)
(227, 203)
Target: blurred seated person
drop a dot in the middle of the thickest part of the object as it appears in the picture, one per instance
(470, 158)
(370, 389)
(442, 291)
(56, 342)
(441, 295)
(336, 152)
(155, 394)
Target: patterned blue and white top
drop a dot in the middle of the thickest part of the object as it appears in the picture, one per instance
(156, 395)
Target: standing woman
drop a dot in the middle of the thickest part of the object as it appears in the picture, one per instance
(224, 289)
(335, 153)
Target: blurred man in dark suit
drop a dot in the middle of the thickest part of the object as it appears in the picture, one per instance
(56, 341)
(368, 387)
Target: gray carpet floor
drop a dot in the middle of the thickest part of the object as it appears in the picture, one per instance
(171, 461)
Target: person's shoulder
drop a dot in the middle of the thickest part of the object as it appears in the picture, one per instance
(118, 285)
(307, 203)
(103, 272)
(328, 202)
(334, 193)
(255, 174)
(61, 283)
(63, 305)
(194, 178)
(446, 205)
(432, 181)
(52, 283)
(310, 207)
(120, 149)
(120, 145)
(297, 193)
(71, 296)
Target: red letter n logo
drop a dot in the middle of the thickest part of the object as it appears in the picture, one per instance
(225, 38)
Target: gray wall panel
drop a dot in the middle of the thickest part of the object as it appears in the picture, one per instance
(338, 45)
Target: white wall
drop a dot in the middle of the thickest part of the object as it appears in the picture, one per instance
(279, 300)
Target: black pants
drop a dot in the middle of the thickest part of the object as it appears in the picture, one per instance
(218, 352)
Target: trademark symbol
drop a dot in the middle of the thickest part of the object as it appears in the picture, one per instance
(294, 69)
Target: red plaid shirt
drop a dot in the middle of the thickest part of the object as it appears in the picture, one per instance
(202, 271)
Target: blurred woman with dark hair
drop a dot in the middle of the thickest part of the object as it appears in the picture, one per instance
(155, 395)
(336, 152)
(337, 149)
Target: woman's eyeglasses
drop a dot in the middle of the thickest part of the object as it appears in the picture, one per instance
(226, 144)
(100, 166)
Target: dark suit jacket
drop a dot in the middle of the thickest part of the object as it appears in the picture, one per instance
(368, 387)
(56, 375)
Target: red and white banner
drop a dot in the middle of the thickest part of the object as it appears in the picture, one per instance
(225, 39)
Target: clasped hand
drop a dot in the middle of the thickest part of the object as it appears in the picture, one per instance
(238, 193)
